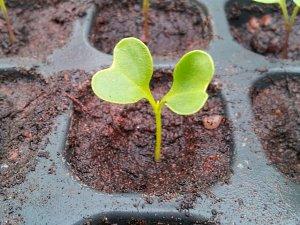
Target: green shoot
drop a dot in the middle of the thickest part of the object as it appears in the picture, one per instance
(11, 34)
(127, 81)
(289, 21)
(146, 6)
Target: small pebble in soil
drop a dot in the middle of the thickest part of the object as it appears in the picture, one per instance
(266, 20)
(253, 25)
(212, 122)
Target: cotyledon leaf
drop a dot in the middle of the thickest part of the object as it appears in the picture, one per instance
(191, 77)
(127, 80)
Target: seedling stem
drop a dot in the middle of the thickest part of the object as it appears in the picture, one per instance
(11, 34)
(294, 15)
(289, 21)
(127, 81)
(146, 6)
(288, 27)
(158, 111)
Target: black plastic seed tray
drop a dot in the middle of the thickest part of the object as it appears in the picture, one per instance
(256, 194)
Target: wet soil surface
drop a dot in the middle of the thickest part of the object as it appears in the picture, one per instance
(27, 109)
(110, 146)
(260, 28)
(277, 123)
(40, 27)
(175, 26)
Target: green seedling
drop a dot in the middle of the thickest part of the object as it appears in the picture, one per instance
(146, 7)
(11, 34)
(289, 20)
(127, 81)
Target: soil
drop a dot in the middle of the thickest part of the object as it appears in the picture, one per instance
(110, 146)
(132, 221)
(26, 116)
(175, 26)
(277, 123)
(260, 28)
(29, 105)
(40, 27)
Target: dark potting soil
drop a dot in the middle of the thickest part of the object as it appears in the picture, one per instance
(40, 28)
(106, 221)
(175, 26)
(260, 28)
(26, 117)
(277, 123)
(110, 146)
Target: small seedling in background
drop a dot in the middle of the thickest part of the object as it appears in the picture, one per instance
(127, 81)
(11, 34)
(289, 21)
(146, 7)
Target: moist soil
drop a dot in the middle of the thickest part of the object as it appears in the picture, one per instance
(40, 27)
(110, 146)
(26, 115)
(277, 123)
(260, 28)
(175, 26)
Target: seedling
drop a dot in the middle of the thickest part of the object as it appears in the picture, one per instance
(11, 34)
(146, 6)
(289, 20)
(127, 81)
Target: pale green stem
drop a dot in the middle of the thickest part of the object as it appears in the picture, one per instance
(158, 134)
(294, 15)
(285, 13)
(157, 109)
(12, 37)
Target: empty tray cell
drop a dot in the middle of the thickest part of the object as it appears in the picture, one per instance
(260, 28)
(276, 106)
(174, 26)
(118, 218)
(111, 146)
(25, 118)
(39, 27)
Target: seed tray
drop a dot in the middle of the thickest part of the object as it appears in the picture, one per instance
(256, 194)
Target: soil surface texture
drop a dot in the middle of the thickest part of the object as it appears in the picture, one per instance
(106, 221)
(277, 123)
(110, 146)
(260, 28)
(175, 27)
(26, 114)
(29, 105)
(40, 27)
